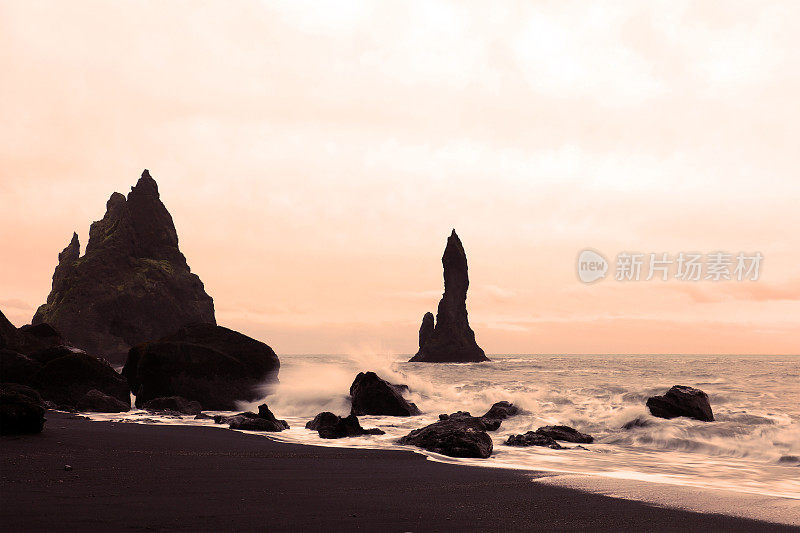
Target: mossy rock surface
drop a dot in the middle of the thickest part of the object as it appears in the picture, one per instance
(131, 286)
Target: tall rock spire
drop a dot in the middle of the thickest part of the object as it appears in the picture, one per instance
(450, 340)
(132, 285)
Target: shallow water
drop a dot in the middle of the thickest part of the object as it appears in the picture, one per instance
(752, 447)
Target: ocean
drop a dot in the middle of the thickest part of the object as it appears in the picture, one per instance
(753, 446)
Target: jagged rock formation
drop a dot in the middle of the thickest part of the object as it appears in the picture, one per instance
(426, 329)
(205, 363)
(132, 285)
(450, 340)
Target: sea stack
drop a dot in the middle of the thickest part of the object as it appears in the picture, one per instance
(450, 339)
(132, 285)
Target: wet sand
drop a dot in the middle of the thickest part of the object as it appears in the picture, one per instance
(146, 477)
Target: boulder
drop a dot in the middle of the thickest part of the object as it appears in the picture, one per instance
(491, 421)
(452, 437)
(64, 375)
(324, 419)
(372, 395)
(45, 355)
(331, 426)
(95, 401)
(23, 390)
(681, 401)
(28, 338)
(531, 438)
(18, 363)
(16, 367)
(253, 424)
(21, 410)
(132, 285)
(266, 414)
(450, 340)
(263, 421)
(638, 422)
(66, 380)
(44, 332)
(565, 433)
(210, 364)
(174, 404)
(502, 410)
(476, 422)
(36, 356)
(226, 419)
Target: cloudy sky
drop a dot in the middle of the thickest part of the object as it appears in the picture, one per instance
(315, 156)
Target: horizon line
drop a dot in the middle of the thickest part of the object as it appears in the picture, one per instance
(572, 353)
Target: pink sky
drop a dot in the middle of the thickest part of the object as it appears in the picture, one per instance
(315, 156)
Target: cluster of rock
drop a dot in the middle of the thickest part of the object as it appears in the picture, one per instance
(548, 436)
(457, 434)
(450, 339)
(369, 395)
(62, 376)
(130, 298)
(331, 426)
(531, 438)
(460, 434)
(264, 420)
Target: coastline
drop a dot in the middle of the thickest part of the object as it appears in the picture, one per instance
(135, 476)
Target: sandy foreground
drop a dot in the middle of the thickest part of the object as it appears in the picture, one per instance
(147, 477)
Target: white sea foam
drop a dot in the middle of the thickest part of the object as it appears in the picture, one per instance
(751, 448)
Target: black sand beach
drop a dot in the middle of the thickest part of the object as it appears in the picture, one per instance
(139, 477)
